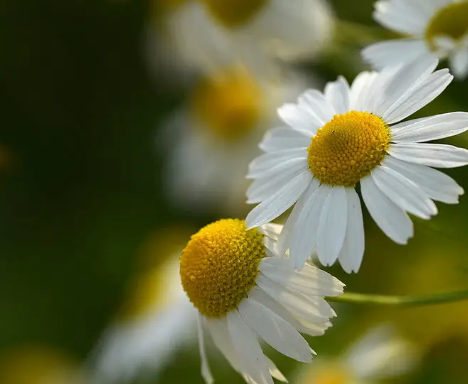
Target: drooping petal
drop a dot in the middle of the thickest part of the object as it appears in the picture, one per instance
(205, 368)
(393, 221)
(459, 63)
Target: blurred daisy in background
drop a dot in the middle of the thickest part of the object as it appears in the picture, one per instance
(437, 28)
(38, 364)
(379, 354)
(209, 143)
(195, 35)
(243, 291)
(349, 135)
(156, 320)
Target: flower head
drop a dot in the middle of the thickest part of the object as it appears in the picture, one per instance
(241, 289)
(347, 136)
(436, 28)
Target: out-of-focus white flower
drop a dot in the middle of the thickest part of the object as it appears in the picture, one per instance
(37, 364)
(243, 291)
(379, 354)
(437, 28)
(356, 134)
(157, 321)
(210, 142)
(199, 35)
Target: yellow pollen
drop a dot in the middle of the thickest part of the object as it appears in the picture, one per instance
(450, 21)
(219, 266)
(234, 13)
(229, 103)
(347, 148)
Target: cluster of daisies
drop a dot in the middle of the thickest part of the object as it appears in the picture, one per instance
(251, 280)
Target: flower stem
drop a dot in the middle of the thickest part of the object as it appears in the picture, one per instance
(436, 298)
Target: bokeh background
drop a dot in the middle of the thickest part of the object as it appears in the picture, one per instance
(85, 210)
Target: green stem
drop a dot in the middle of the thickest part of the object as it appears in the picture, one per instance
(436, 298)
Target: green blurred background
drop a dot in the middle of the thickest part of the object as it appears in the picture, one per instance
(80, 191)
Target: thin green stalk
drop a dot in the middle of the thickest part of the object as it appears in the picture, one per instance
(436, 298)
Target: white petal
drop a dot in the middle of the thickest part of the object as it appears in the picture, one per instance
(338, 94)
(408, 17)
(271, 230)
(312, 308)
(248, 349)
(310, 281)
(315, 103)
(275, 372)
(205, 368)
(332, 226)
(393, 52)
(278, 203)
(268, 161)
(436, 184)
(359, 95)
(399, 82)
(430, 128)
(300, 119)
(277, 139)
(304, 235)
(403, 192)
(274, 330)
(394, 222)
(220, 334)
(281, 166)
(352, 252)
(432, 155)
(300, 323)
(459, 63)
(419, 96)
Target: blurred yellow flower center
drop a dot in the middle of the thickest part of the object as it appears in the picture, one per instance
(333, 374)
(348, 147)
(450, 21)
(234, 13)
(219, 266)
(230, 103)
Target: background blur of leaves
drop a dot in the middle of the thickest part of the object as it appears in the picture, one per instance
(80, 191)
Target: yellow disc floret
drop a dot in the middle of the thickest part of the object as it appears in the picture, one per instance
(219, 266)
(450, 21)
(348, 147)
(229, 103)
(234, 13)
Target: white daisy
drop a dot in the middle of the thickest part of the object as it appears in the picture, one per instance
(379, 354)
(210, 141)
(157, 321)
(243, 292)
(436, 28)
(349, 135)
(199, 34)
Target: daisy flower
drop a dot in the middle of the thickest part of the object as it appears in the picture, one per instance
(379, 354)
(243, 292)
(354, 135)
(437, 28)
(155, 322)
(210, 141)
(192, 35)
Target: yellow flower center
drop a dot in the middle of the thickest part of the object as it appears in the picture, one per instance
(450, 21)
(230, 103)
(331, 374)
(348, 147)
(234, 13)
(219, 266)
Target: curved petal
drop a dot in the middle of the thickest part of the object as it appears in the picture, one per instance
(459, 63)
(315, 103)
(205, 368)
(393, 221)
(432, 155)
(281, 138)
(352, 252)
(332, 226)
(268, 161)
(299, 118)
(338, 95)
(274, 330)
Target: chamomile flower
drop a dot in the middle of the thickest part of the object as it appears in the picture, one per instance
(197, 35)
(437, 28)
(379, 354)
(210, 141)
(243, 292)
(354, 135)
(155, 321)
